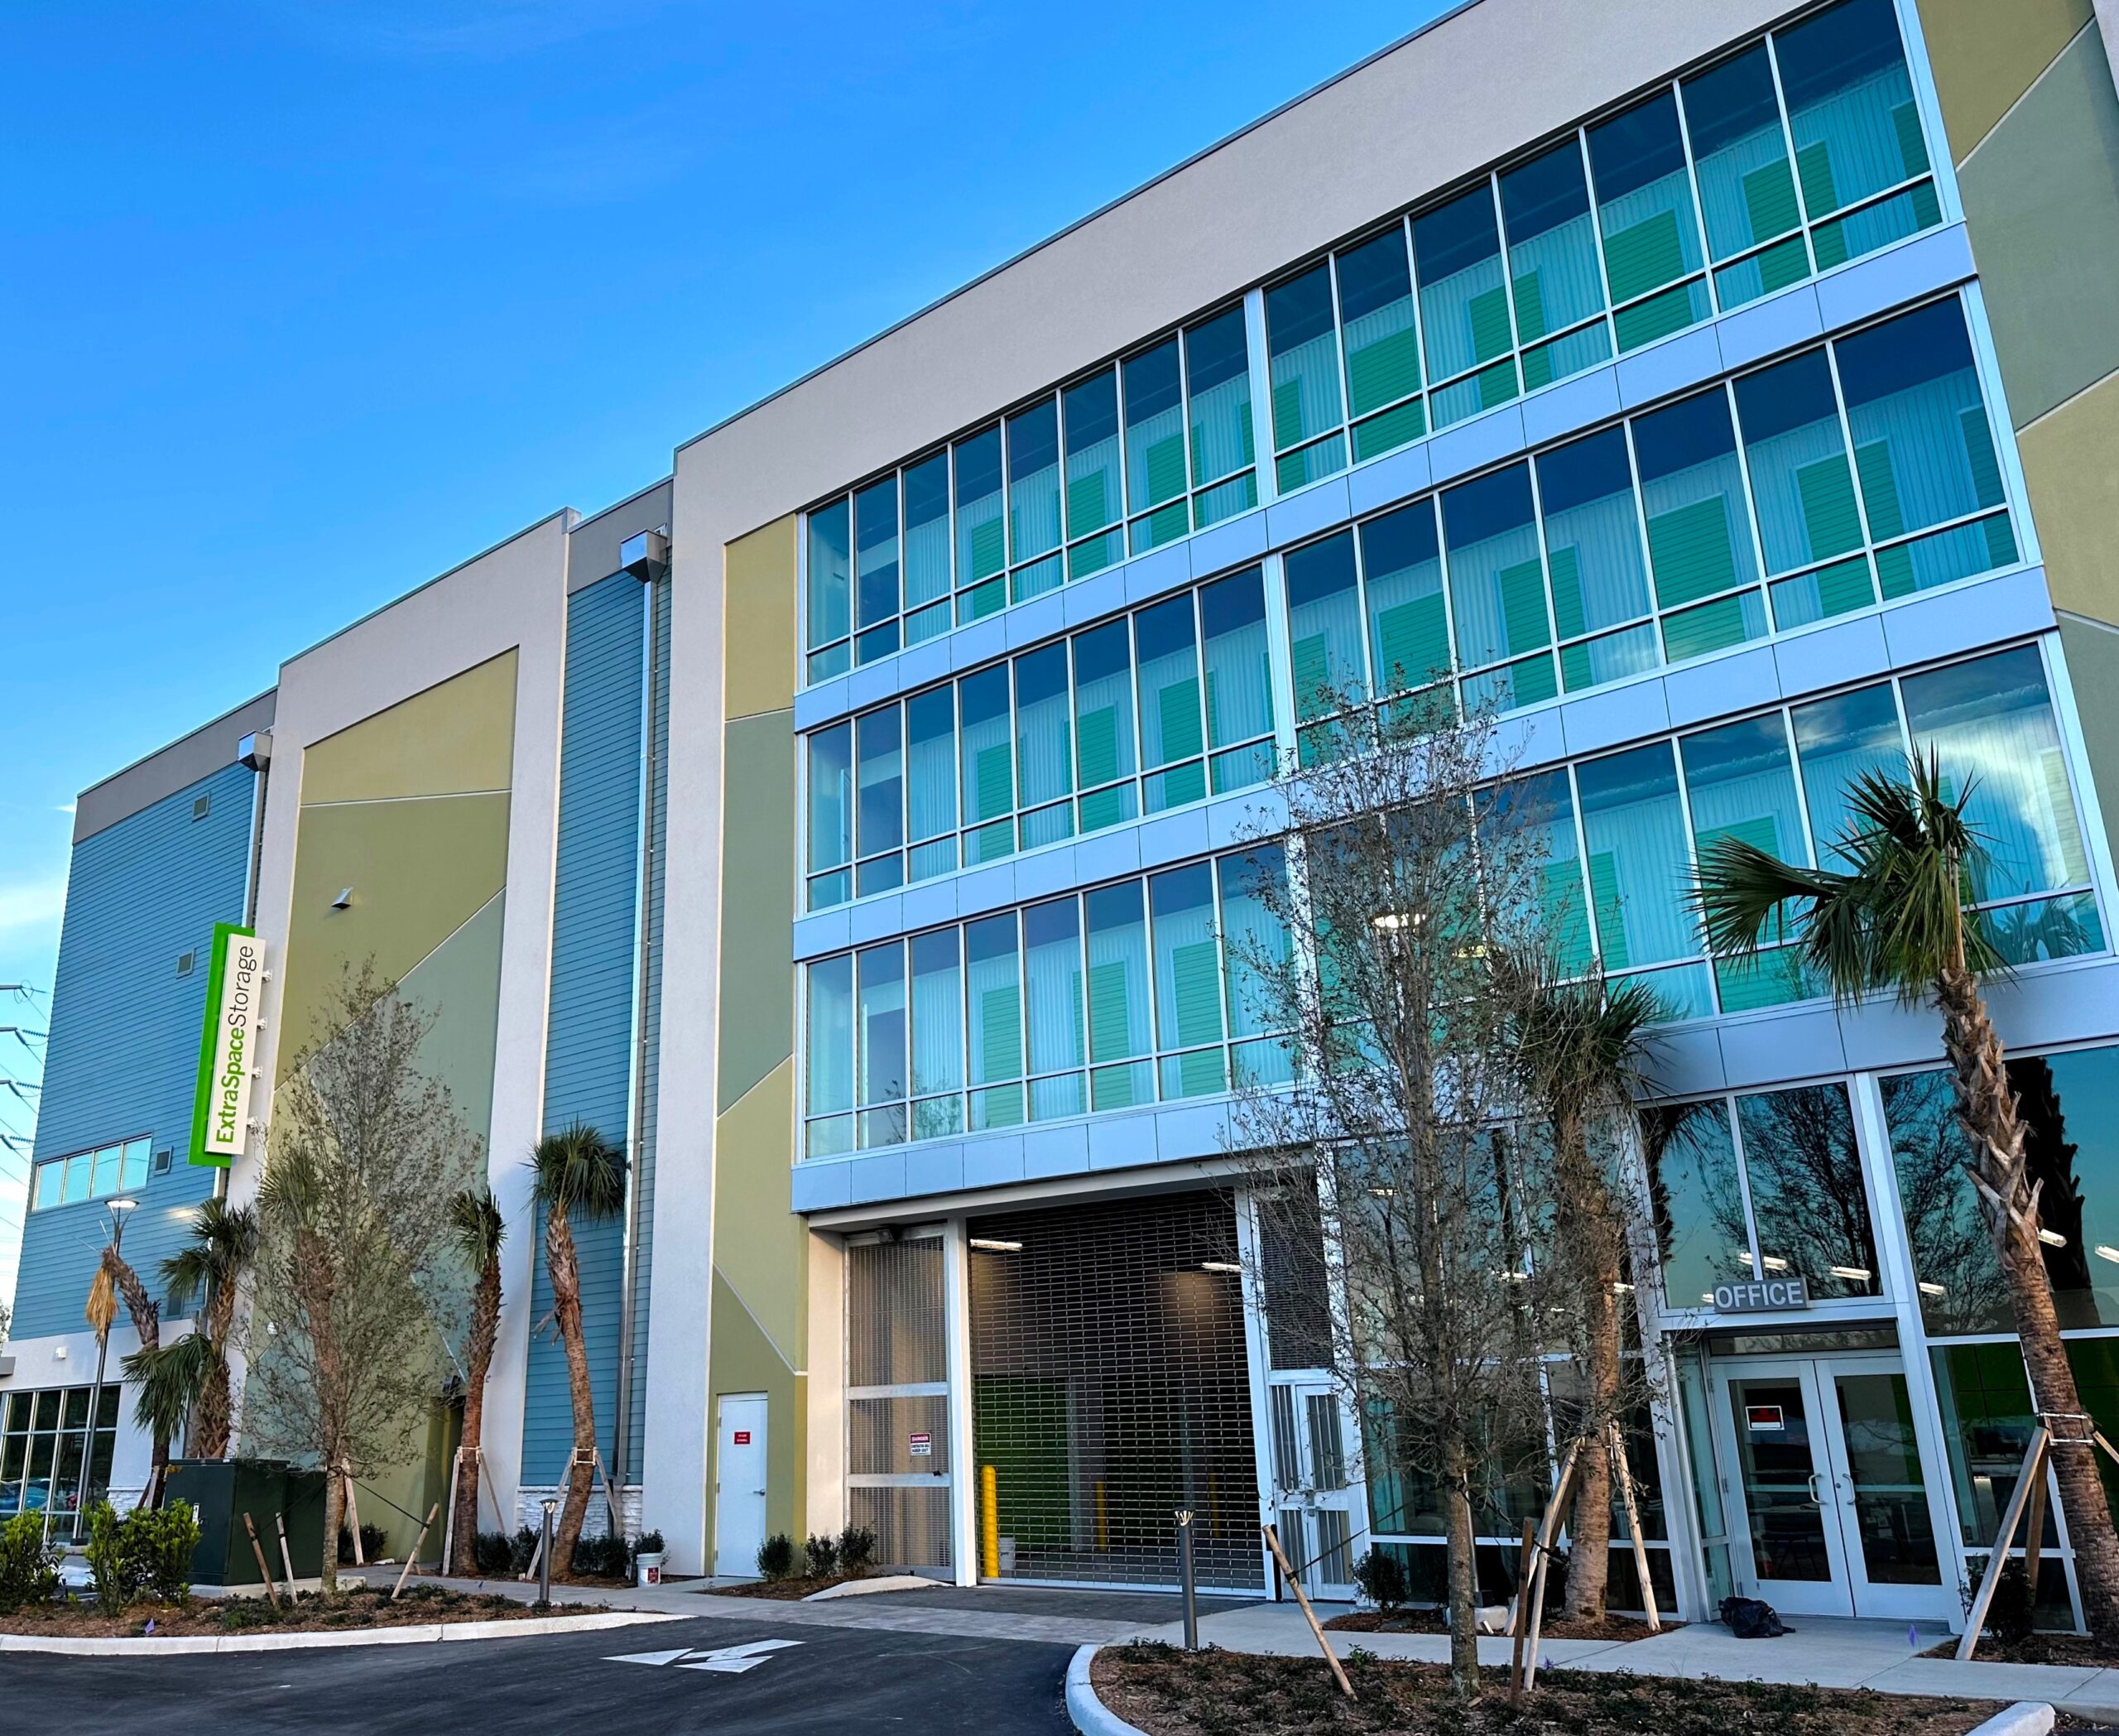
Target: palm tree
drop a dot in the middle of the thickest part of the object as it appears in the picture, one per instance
(577, 1171)
(1584, 1043)
(212, 1264)
(115, 1276)
(474, 1217)
(168, 1381)
(1895, 920)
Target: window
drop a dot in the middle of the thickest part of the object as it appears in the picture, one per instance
(1593, 550)
(1798, 152)
(1778, 1194)
(2069, 1103)
(1497, 587)
(45, 1440)
(1699, 529)
(1150, 989)
(1923, 451)
(97, 1174)
(1138, 715)
(1639, 869)
(1804, 489)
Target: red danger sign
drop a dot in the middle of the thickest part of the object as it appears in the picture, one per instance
(743, 1437)
(1765, 1416)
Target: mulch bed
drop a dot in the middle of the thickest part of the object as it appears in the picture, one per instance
(789, 1590)
(1169, 1693)
(2080, 1651)
(1430, 1621)
(353, 1607)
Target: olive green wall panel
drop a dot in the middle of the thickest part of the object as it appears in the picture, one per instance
(744, 1359)
(1985, 54)
(762, 1254)
(757, 902)
(418, 871)
(758, 617)
(2041, 196)
(457, 736)
(2093, 652)
(2071, 461)
(459, 984)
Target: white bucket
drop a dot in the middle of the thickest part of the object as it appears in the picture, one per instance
(647, 1568)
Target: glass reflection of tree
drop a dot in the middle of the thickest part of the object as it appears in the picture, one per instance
(1807, 1197)
(1694, 1191)
(1952, 1250)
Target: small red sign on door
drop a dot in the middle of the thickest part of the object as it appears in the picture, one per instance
(743, 1437)
(1765, 1416)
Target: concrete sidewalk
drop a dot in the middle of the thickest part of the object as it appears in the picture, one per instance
(1826, 1653)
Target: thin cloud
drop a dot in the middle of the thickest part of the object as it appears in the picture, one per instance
(32, 903)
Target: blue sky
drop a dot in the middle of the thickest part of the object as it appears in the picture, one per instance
(308, 299)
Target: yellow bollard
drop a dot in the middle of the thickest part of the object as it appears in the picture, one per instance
(989, 1534)
(1103, 1524)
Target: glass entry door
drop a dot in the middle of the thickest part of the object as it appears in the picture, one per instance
(1820, 1458)
(1313, 1489)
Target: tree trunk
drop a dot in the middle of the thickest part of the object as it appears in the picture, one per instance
(485, 1323)
(147, 1322)
(1987, 1107)
(566, 1313)
(334, 1515)
(1463, 1588)
(1587, 1204)
(214, 1416)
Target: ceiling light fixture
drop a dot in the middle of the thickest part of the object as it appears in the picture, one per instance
(1224, 1266)
(987, 1244)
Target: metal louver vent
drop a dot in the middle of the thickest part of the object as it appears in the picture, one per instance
(1110, 1388)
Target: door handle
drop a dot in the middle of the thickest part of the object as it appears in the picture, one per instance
(1817, 1496)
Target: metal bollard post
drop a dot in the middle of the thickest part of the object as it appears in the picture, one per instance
(1189, 1580)
(545, 1556)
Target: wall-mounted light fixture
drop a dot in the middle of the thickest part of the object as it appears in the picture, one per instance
(344, 900)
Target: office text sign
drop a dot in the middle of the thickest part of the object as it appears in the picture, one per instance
(220, 1117)
(1762, 1297)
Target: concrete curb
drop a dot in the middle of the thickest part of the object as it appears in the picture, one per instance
(864, 1588)
(412, 1633)
(2025, 1718)
(1091, 1716)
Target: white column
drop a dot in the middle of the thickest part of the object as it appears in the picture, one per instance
(1258, 1357)
(963, 1475)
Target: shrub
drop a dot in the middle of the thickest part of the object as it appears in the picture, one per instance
(607, 1557)
(144, 1555)
(823, 1555)
(524, 1550)
(494, 1552)
(160, 1545)
(29, 1566)
(1382, 1577)
(777, 1557)
(857, 1549)
(648, 1543)
(2009, 1615)
(375, 1543)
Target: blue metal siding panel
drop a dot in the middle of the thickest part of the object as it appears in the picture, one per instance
(123, 1056)
(589, 1030)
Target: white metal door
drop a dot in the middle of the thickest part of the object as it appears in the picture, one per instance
(1832, 1515)
(739, 1494)
(1313, 1489)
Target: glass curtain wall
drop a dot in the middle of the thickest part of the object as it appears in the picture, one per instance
(1799, 152)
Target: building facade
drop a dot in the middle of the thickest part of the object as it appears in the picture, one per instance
(851, 824)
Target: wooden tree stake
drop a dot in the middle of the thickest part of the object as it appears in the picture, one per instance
(1536, 1619)
(286, 1561)
(2034, 1472)
(1517, 1626)
(418, 1543)
(352, 1522)
(449, 1528)
(257, 1549)
(1633, 1526)
(1310, 1615)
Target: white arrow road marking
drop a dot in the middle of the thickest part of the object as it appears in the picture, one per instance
(735, 1660)
(727, 1660)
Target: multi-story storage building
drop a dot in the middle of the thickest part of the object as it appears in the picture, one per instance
(1728, 393)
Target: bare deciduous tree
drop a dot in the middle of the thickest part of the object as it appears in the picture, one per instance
(1396, 1147)
(353, 1261)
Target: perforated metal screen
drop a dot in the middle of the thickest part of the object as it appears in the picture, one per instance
(897, 1426)
(1109, 1389)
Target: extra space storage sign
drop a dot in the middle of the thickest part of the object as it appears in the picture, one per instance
(220, 1116)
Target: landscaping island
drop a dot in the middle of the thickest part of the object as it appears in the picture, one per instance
(1166, 1692)
(352, 1608)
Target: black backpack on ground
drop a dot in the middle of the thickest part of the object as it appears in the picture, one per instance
(1748, 1618)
